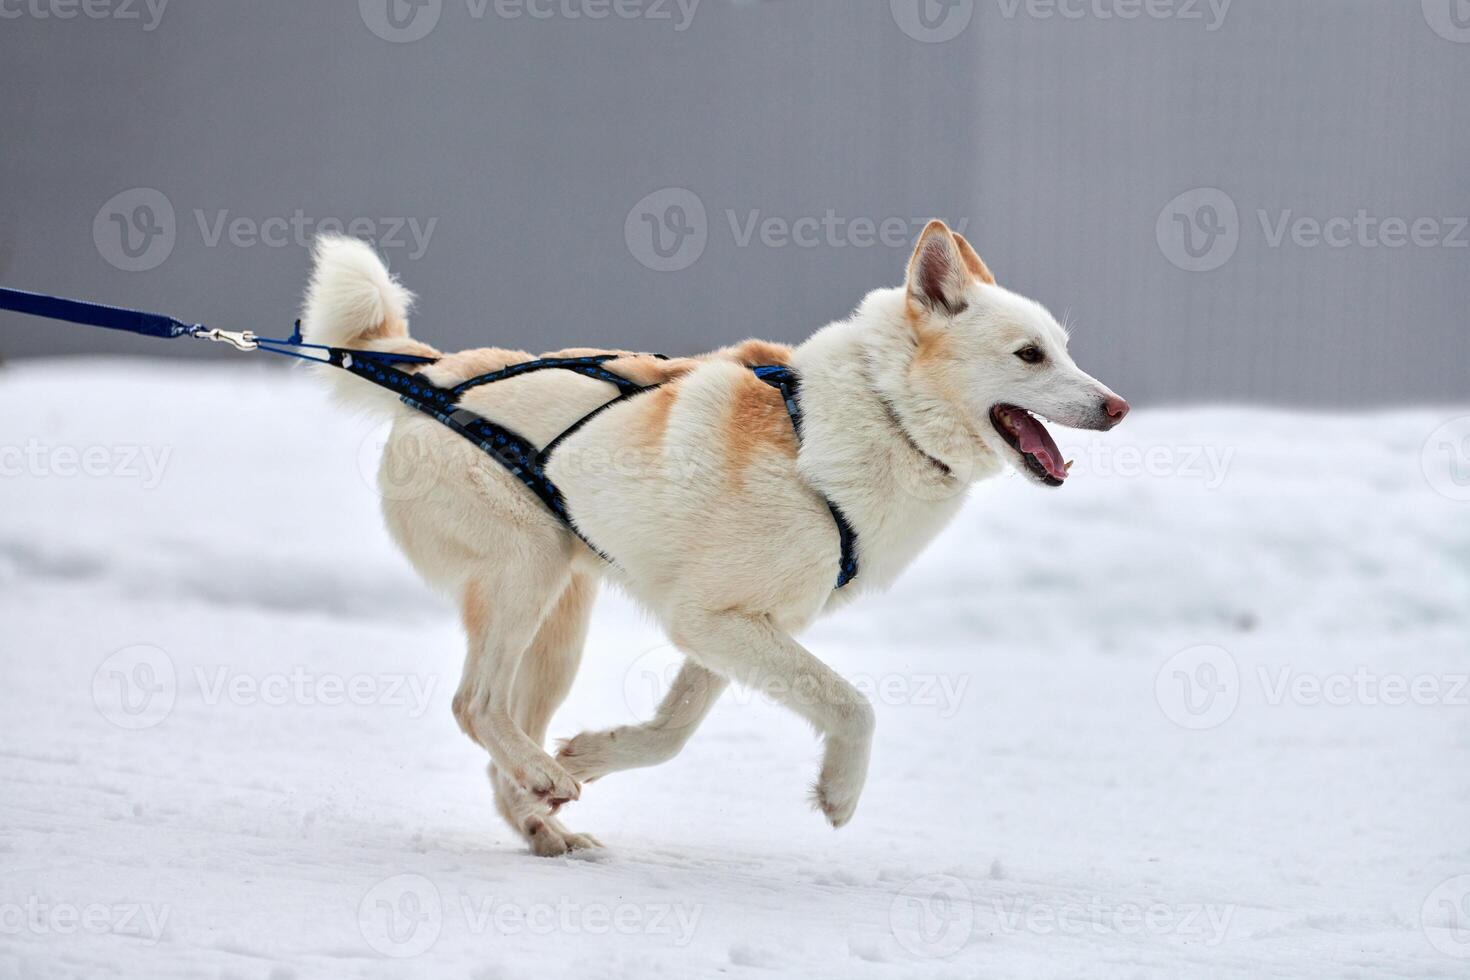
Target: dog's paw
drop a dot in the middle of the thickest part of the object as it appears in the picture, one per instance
(584, 756)
(548, 838)
(844, 770)
(544, 839)
(836, 806)
(581, 842)
(548, 782)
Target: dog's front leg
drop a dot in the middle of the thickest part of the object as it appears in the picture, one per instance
(752, 651)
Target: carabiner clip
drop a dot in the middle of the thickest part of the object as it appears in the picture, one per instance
(238, 339)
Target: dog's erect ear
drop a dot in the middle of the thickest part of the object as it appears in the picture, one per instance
(973, 262)
(937, 272)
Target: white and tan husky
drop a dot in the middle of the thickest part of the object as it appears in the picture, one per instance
(714, 513)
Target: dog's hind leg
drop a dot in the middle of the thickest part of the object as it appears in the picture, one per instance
(591, 755)
(504, 608)
(542, 683)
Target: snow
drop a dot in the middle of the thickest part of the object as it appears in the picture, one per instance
(1200, 712)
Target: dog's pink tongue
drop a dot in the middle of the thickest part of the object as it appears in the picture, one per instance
(1038, 442)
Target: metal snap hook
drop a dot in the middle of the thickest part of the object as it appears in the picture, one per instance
(238, 339)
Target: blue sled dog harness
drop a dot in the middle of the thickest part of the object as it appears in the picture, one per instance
(511, 450)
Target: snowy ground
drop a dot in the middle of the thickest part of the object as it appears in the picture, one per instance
(1200, 712)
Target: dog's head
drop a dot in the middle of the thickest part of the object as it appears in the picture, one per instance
(999, 358)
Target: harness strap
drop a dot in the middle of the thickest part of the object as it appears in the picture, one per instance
(507, 447)
(590, 366)
(788, 382)
(512, 450)
(572, 429)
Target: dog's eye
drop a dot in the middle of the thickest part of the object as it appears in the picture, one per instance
(1031, 354)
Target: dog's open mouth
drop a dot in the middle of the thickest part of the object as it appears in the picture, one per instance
(1024, 433)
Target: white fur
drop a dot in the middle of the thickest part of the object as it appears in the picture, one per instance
(352, 295)
(732, 550)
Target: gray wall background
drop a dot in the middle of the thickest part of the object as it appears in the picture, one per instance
(1056, 135)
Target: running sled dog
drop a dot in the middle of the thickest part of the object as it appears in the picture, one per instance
(729, 494)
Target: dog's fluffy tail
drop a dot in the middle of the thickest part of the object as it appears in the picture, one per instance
(353, 301)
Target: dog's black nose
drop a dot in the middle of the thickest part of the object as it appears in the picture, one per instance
(1115, 409)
